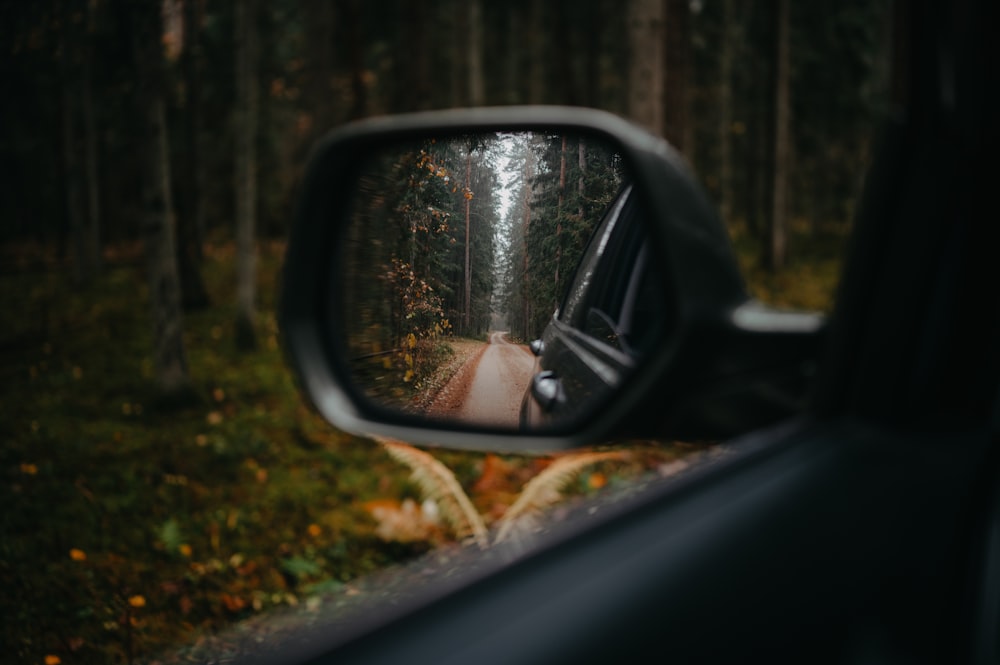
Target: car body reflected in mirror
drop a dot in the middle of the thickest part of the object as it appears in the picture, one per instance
(460, 251)
(614, 310)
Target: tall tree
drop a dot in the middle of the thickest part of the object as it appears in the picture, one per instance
(645, 80)
(169, 357)
(192, 63)
(777, 230)
(246, 172)
(190, 167)
(413, 88)
(727, 49)
(352, 17)
(73, 179)
(474, 55)
(676, 127)
(536, 51)
(560, 206)
(467, 282)
(79, 137)
(90, 143)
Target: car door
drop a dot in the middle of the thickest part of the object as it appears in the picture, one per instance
(609, 312)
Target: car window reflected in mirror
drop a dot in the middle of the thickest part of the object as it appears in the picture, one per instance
(460, 251)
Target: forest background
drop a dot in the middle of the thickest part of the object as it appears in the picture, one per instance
(161, 475)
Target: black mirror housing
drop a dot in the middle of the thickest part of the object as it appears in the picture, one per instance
(724, 365)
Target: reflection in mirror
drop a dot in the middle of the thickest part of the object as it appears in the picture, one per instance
(456, 254)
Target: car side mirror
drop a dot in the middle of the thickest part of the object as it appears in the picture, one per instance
(429, 248)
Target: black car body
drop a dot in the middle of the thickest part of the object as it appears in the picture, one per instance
(609, 315)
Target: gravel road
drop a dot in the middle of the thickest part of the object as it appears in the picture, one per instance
(489, 389)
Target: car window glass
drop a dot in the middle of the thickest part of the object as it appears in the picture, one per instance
(622, 299)
(647, 311)
(589, 266)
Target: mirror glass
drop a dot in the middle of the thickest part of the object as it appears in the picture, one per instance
(459, 252)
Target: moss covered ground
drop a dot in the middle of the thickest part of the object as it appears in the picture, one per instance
(129, 524)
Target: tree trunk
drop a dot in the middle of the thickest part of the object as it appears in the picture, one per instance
(413, 89)
(351, 12)
(169, 358)
(75, 82)
(677, 129)
(559, 212)
(246, 171)
(526, 281)
(760, 135)
(466, 319)
(782, 142)
(90, 156)
(535, 38)
(320, 22)
(191, 215)
(75, 212)
(477, 91)
(725, 138)
(513, 74)
(645, 77)
(195, 172)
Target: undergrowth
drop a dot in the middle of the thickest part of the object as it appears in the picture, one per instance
(130, 526)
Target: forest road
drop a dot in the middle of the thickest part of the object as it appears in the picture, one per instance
(488, 391)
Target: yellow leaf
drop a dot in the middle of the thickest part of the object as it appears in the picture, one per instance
(597, 480)
(411, 340)
(77, 555)
(52, 660)
(137, 601)
(314, 530)
(408, 376)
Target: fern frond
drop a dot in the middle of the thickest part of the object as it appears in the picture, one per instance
(545, 489)
(438, 483)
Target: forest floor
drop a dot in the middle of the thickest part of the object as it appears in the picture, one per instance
(809, 277)
(462, 352)
(132, 527)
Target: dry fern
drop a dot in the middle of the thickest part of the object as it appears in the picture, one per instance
(544, 490)
(438, 483)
